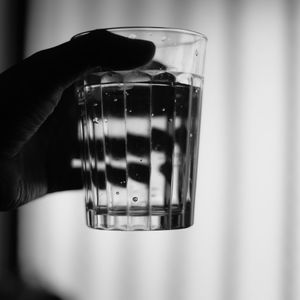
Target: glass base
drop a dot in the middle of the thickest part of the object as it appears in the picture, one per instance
(135, 223)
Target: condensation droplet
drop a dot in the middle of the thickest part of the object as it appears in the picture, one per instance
(135, 199)
(132, 36)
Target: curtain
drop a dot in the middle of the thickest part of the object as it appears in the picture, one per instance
(246, 239)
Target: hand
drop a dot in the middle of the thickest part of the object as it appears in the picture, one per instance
(38, 131)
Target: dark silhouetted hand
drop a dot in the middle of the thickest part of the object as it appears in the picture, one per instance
(38, 124)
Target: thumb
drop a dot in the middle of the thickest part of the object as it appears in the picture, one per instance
(31, 89)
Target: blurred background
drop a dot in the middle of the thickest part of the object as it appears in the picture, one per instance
(245, 244)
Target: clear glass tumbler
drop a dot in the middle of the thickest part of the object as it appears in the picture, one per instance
(140, 135)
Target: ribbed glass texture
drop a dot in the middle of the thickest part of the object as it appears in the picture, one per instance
(140, 140)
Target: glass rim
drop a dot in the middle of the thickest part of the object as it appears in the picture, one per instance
(147, 28)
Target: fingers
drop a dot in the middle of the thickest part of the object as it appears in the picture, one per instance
(96, 48)
(31, 90)
(152, 133)
(137, 146)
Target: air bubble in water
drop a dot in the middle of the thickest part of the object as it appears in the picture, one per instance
(196, 52)
(163, 38)
(191, 134)
(163, 109)
(117, 193)
(115, 100)
(95, 120)
(152, 115)
(135, 199)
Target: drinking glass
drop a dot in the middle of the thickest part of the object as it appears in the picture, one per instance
(140, 135)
